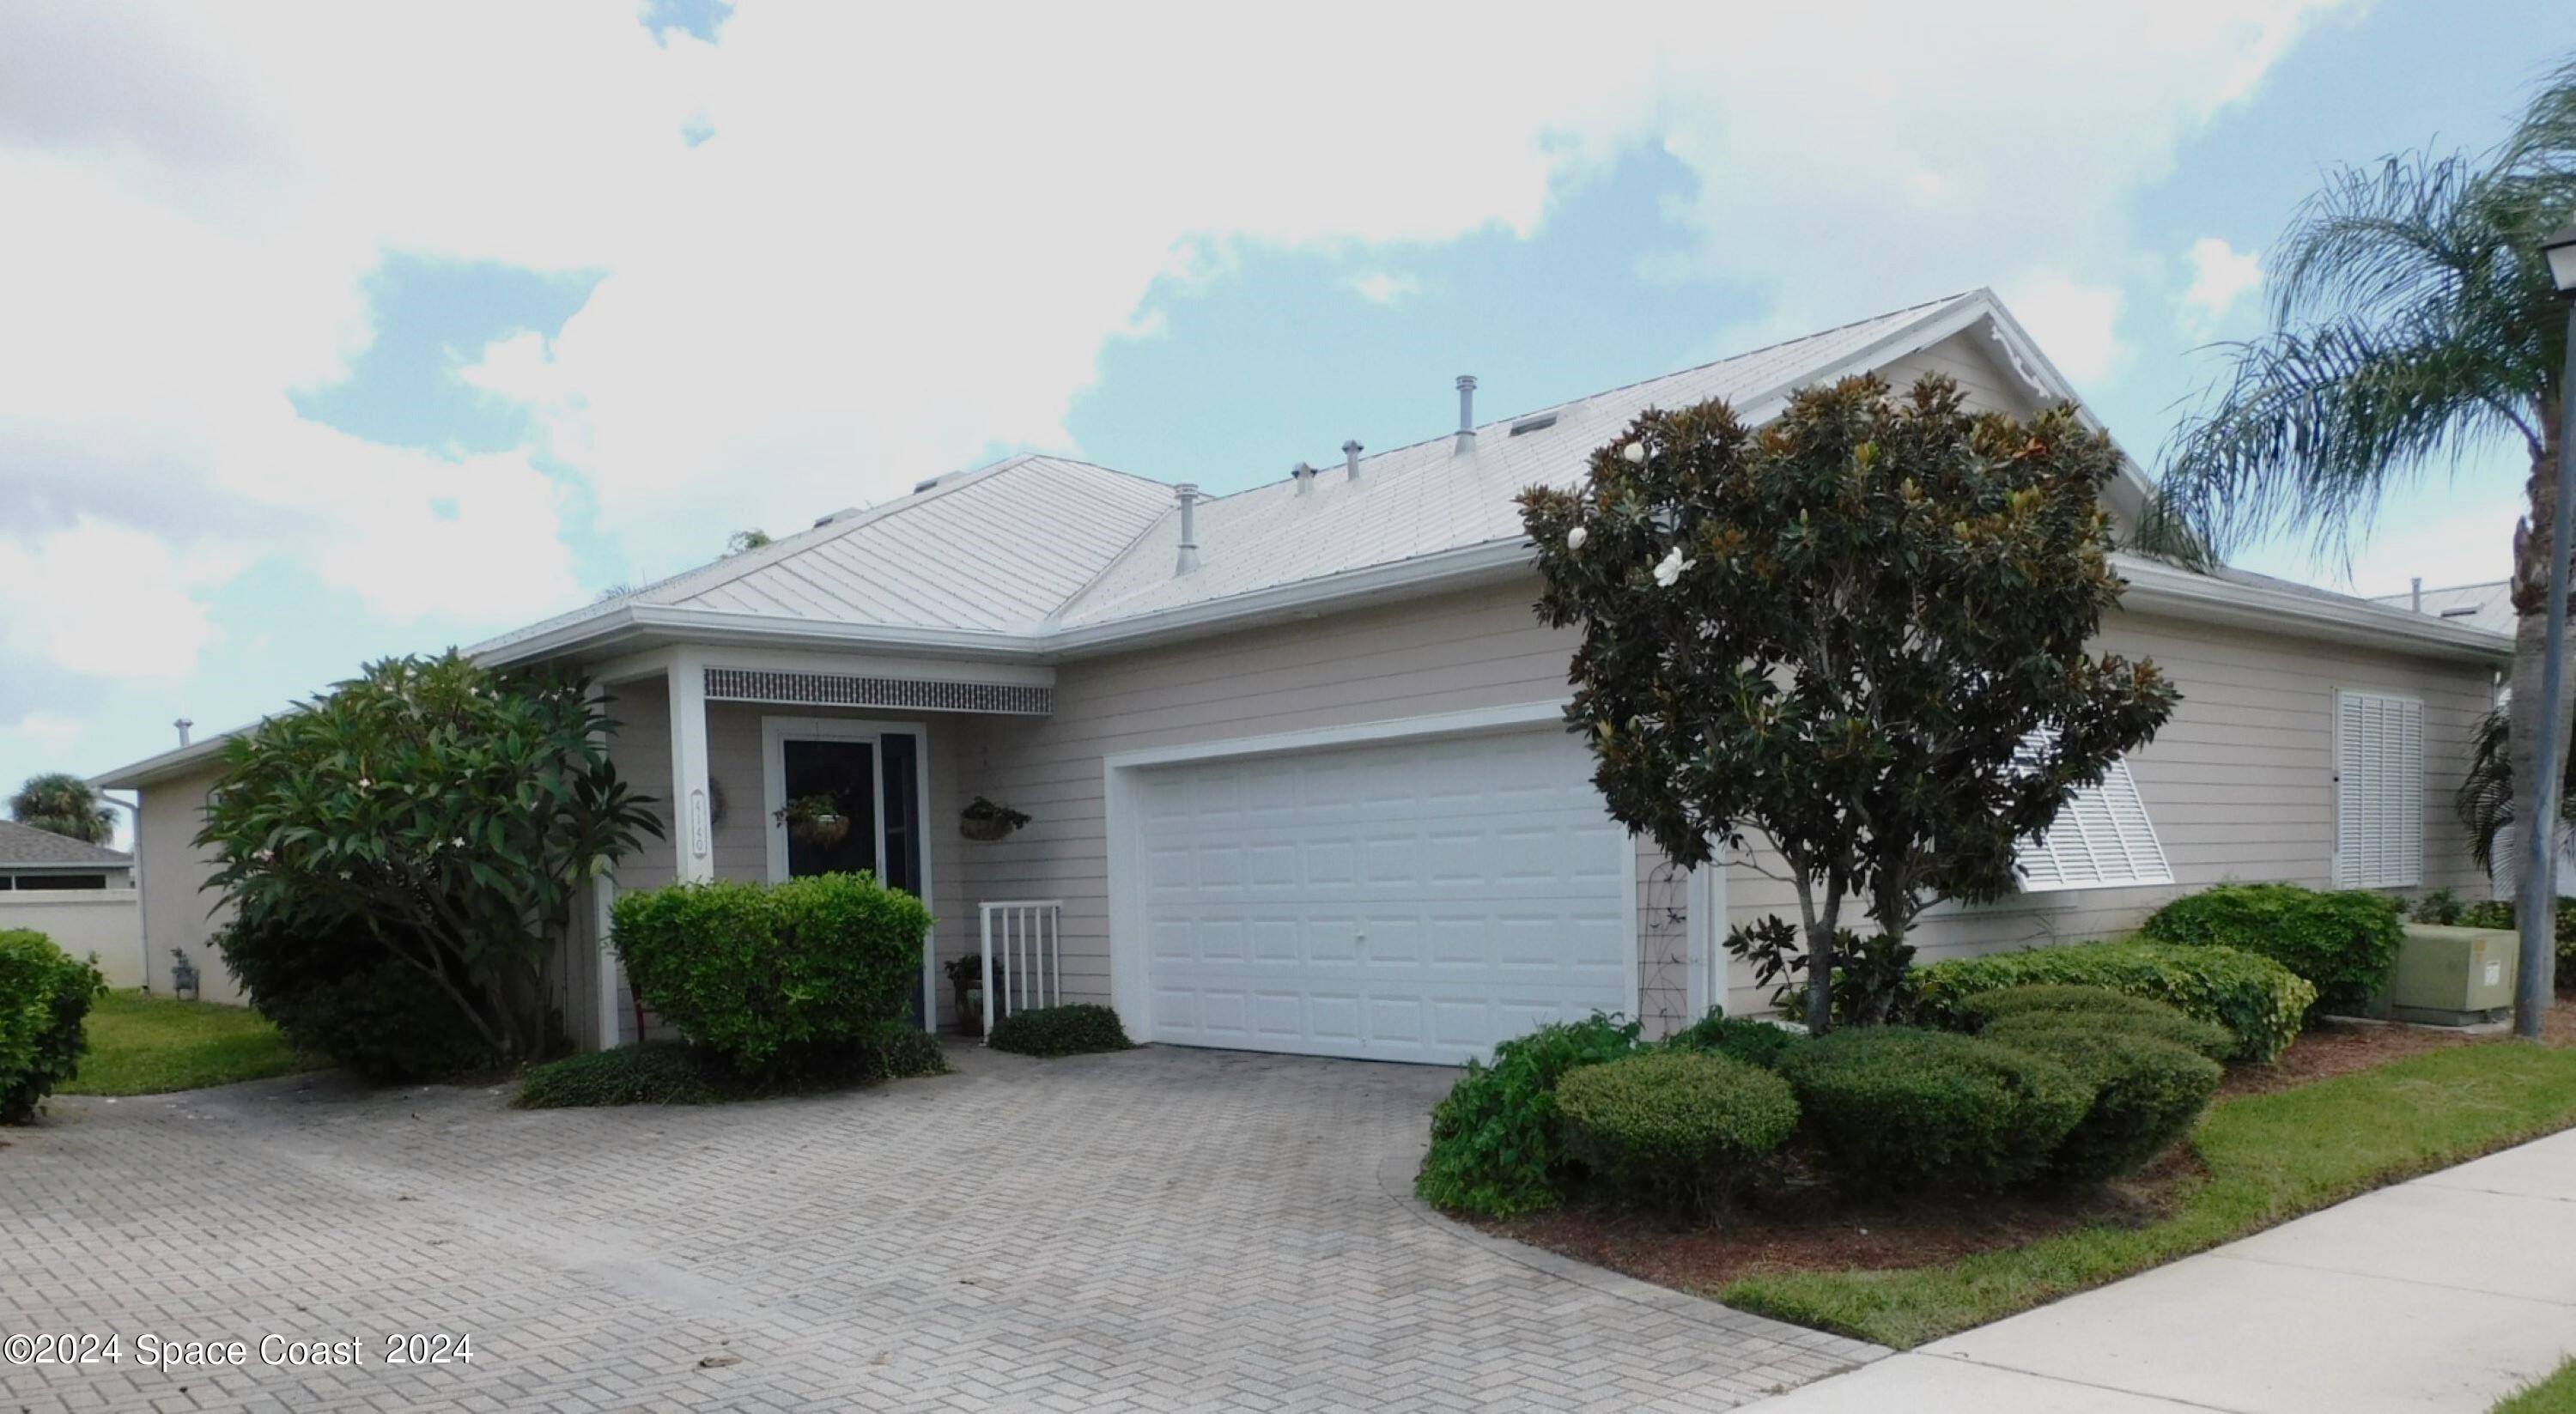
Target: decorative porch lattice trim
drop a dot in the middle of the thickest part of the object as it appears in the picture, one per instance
(840, 690)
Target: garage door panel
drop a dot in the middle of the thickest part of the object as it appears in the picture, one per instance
(1414, 901)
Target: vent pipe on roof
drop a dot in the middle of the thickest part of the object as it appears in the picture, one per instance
(1351, 460)
(1466, 414)
(183, 724)
(1188, 493)
(1304, 476)
(2418, 593)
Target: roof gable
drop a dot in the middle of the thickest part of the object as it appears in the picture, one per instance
(25, 844)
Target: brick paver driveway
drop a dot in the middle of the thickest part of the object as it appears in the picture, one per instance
(1163, 1229)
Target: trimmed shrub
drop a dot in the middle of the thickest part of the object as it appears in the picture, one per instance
(1673, 1124)
(2260, 1002)
(2345, 943)
(1754, 1042)
(44, 996)
(2147, 1094)
(1494, 1148)
(1060, 1031)
(2099, 1007)
(774, 977)
(899, 1050)
(1901, 1110)
(653, 1073)
(340, 993)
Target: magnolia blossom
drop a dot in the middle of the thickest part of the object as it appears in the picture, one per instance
(1671, 567)
(1635, 453)
(363, 783)
(1574, 538)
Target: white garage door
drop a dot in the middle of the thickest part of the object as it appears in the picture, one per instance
(1413, 901)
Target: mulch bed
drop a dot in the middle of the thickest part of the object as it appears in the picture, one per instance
(1780, 1238)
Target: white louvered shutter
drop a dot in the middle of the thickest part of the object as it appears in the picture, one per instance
(2379, 791)
(2102, 839)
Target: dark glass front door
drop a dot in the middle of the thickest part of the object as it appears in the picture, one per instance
(845, 773)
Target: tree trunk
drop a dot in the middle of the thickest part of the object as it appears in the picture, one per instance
(2530, 592)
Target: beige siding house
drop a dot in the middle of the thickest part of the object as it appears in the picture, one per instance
(1293, 760)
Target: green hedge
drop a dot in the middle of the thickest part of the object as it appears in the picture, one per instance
(44, 995)
(2147, 1094)
(338, 992)
(1756, 1042)
(1060, 1031)
(1674, 1123)
(2100, 1008)
(1901, 1110)
(2260, 1002)
(775, 977)
(2498, 913)
(2344, 943)
(1494, 1146)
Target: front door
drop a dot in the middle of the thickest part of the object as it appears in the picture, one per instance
(869, 775)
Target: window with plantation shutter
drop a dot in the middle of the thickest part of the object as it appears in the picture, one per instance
(2102, 839)
(2379, 791)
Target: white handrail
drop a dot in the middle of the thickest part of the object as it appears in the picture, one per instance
(1032, 938)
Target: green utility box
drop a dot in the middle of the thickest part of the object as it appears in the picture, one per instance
(2450, 977)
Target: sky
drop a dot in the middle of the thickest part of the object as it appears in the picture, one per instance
(334, 332)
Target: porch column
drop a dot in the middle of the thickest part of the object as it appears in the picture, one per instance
(692, 836)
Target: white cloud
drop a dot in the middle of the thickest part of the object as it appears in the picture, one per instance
(109, 600)
(875, 266)
(48, 732)
(1384, 287)
(2220, 276)
(2471, 546)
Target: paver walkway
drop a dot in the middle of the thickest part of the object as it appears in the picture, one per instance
(1161, 1230)
(2445, 1294)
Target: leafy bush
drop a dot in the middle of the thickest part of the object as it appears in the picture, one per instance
(2260, 1002)
(652, 1073)
(1871, 985)
(2147, 1094)
(2099, 1007)
(44, 995)
(2441, 907)
(2345, 943)
(2498, 913)
(335, 991)
(1673, 1123)
(1755, 1042)
(438, 815)
(1494, 1149)
(773, 977)
(1060, 1031)
(899, 1050)
(1902, 1110)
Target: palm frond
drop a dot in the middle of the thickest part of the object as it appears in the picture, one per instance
(2484, 800)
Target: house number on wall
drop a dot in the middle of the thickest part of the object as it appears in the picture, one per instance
(697, 824)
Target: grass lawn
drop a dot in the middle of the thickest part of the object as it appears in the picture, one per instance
(2268, 1157)
(2554, 1395)
(142, 1045)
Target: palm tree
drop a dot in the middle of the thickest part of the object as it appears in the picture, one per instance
(65, 805)
(2414, 325)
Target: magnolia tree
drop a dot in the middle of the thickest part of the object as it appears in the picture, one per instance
(1859, 631)
(438, 812)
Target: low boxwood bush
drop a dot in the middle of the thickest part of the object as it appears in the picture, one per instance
(1901, 1110)
(2344, 943)
(2260, 1002)
(774, 977)
(44, 996)
(1494, 1148)
(2147, 1094)
(652, 1073)
(2099, 1007)
(1757, 1042)
(1674, 1124)
(1060, 1031)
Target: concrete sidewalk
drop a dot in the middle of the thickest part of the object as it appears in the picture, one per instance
(2445, 1293)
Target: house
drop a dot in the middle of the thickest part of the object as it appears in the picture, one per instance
(1293, 756)
(2487, 605)
(79, 894)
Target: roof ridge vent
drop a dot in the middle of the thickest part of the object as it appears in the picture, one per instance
(1466, 415)
(1187, 493)
(1304, 476)
(1351, 461)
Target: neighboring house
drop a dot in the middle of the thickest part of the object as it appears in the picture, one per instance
(1294, 755)
(2488, 606)
(79, 894)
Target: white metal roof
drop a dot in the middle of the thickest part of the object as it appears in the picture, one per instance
(2487, 606)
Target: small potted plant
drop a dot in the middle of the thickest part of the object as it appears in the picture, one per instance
(815, 819)
(966, 979)
(985, 822)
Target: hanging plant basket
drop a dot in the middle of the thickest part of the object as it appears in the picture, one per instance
(815, 820)
(985, 822)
